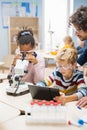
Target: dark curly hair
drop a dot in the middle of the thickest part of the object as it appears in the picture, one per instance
(79, 18)
(26, 37)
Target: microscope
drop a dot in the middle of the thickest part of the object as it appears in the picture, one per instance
(16, 86)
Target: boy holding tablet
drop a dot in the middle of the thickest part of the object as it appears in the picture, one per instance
(67, 78)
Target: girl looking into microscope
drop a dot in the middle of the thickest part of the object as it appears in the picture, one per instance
(36, 66)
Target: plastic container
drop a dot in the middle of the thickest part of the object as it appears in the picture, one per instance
(46, 112)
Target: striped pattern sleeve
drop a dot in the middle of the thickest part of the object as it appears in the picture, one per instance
(48, 81)
(82, 91)
(82, 87)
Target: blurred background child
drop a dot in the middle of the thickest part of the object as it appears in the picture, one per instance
(68, 42)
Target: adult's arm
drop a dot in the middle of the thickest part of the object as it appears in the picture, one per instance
(80, 51)
(83, 57)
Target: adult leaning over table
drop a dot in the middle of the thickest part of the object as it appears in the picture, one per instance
(79, 21)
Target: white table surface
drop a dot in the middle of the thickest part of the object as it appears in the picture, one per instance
(3, 76)
(22, 102)
(19, 123)
(19, 102)
(7, 112)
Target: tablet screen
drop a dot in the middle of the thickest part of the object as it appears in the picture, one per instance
(43, 93)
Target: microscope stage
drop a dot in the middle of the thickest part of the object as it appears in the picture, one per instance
(19, 90)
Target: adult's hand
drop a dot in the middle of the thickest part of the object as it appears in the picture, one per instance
(82, 102)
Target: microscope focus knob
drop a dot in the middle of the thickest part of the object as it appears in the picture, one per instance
(17, 78)
(10, 82)
(25, 71)
(9, 76)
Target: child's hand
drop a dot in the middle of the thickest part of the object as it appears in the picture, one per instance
(31, 58)
(61, 98)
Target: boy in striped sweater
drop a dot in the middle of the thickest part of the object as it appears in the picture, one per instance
(67, 78)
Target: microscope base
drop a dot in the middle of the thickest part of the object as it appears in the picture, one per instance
(16, 91)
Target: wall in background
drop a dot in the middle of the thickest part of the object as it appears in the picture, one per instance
(4, 35)
(55, 24)
(78, 3)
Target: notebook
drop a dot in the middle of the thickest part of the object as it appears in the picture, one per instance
(43, 93)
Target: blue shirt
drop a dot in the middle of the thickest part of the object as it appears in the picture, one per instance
(83, 57)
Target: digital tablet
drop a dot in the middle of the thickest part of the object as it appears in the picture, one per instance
(43, 93)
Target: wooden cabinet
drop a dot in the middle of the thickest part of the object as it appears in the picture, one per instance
(18, 23)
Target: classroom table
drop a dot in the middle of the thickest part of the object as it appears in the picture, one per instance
(19, 102)
(22, 102)
(49, 57)
(19, 122)
(3, 76)
(7, 112)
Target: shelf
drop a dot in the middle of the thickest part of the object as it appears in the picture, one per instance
(16, 24)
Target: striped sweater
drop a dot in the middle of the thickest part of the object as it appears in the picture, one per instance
(75, 84)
